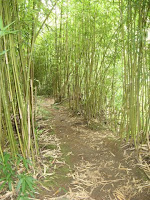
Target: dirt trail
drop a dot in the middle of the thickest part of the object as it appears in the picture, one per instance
(96, 164)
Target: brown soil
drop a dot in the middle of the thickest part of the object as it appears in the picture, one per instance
(90, 163)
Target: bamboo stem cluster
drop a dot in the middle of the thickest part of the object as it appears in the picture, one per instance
(16, 86)
(95, 54)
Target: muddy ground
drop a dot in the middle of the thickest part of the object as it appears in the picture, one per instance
(84, 161)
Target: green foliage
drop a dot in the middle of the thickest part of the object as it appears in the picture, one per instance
(25, 186)
(3, 52)
(23, 183)
(7, 172)
(3, 30)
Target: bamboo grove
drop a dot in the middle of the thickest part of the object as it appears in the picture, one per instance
(96, 54)
(93, 53)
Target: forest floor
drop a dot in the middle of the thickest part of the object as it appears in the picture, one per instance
(81, 161)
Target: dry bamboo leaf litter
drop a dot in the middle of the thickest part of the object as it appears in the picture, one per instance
(88, 176)
(7, 195)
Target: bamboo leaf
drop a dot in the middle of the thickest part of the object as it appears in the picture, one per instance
(6, 27)
(2, 185)
(10, 185)
(3, 52)
(23, 185)
(19, 184)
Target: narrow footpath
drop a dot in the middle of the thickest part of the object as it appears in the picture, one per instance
(84, 162)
